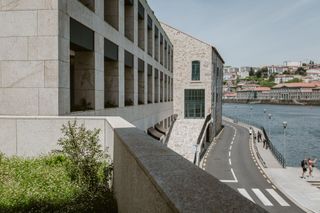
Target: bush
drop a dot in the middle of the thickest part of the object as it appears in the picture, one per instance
(87, 164)
(74, 179)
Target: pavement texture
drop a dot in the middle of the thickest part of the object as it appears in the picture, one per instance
(303, 192)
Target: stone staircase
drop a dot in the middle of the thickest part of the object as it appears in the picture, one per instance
(184, 137)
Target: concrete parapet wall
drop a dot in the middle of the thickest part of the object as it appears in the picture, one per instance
(33, 136)
(149, 177)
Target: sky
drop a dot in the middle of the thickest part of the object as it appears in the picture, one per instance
(249, 32)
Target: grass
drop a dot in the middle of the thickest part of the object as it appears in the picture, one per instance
(43, 184)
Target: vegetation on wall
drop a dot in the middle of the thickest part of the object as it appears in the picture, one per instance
(76, 178)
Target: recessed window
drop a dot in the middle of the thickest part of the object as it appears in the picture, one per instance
(194, 103)
(195, 71)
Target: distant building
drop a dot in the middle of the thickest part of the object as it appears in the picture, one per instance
(313, 74)
(292, 63)
(254, 93)
(286, 91)
(279, 79)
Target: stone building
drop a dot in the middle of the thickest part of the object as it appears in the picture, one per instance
(84, 57)
(198, 84)
(198, 77)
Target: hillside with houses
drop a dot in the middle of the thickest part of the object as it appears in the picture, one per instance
(291, 83)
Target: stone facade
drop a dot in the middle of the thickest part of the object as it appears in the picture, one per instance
(186, 50)
(36, 51)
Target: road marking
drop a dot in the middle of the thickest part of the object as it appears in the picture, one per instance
(230, 147)
(274, 187)
(245, 194)
(262, 197)
(229, 153)
(230, 161)
(235, 180)
(277, 197)
(269, 181)
(264, 176)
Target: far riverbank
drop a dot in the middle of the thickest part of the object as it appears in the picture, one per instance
(273, 102)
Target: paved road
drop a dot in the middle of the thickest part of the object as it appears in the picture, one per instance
(232, 162)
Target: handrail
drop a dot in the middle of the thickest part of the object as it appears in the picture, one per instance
(200, 140)
(278, 155)
(208, 118)
(167, 136)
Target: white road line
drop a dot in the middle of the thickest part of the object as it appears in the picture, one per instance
(245, 194)
(277, 197)
(230, 147)
(274, 187)
(235, 180)
(229, 153)
(262, 197)
(268, 181)
(230, 161)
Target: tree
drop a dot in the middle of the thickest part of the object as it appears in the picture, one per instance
(264, 72)
(301, 71)
(251, 72)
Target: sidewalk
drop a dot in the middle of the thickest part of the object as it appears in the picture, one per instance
(288, 180)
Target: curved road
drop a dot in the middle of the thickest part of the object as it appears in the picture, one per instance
(231, 161)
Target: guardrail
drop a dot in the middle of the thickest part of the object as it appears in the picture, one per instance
(278, 155)
(201, 139)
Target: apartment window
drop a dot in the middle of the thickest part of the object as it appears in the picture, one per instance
(194, 103)
(195, 71)
(111, 13)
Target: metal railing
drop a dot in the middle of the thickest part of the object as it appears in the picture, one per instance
(199, 147)
(278, 155)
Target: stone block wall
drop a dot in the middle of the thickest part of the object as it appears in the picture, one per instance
(29, 77)
(186, 50)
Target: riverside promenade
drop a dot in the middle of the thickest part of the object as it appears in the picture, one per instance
(305, 193)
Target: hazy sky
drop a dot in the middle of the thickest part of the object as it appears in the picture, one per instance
(249, 32)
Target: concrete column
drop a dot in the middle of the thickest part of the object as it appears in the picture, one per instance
(99, 71)
(121, 77)
(135, 80)
(146, 83)
(99, 8)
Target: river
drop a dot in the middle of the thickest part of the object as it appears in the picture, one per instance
(302, 132)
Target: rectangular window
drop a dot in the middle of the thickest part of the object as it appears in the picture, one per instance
(194, 100)
(195, 71)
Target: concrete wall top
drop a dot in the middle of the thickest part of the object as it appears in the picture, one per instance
(182, 187)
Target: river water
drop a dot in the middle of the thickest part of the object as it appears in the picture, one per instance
(302, 132)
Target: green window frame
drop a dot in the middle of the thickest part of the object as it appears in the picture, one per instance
(194, 100)
(195, 71)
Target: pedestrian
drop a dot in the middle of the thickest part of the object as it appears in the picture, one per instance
(264, 143)
(311, 165)
(259, 136)
(304, 166)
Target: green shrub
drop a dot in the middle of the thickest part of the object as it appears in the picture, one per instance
(75, 179)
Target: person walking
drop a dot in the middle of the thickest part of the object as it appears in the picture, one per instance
(311, 165)
(264, 143)
(259, 136)
(304, 166)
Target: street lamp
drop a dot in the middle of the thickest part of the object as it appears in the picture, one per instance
(285, 124)
(264, 116)
(270, 116)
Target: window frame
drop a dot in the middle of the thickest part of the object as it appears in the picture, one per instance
(195, 74)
